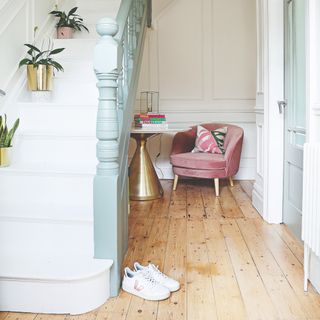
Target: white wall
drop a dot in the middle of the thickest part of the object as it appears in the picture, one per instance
(201, 57)
(18, 19)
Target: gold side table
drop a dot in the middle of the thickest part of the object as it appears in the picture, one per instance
(144, 183)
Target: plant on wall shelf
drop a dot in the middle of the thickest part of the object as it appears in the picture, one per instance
(6, 137)
(40, 66)
(68, 23)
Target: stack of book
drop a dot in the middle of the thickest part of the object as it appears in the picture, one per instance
(150, 121)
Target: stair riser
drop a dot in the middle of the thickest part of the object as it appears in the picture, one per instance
(75, 49)
(39, 238)
(58, 120)
(77, 71)
(56, 197)
(65, 91)
(92, 34)
(74, 92)
(50, 153)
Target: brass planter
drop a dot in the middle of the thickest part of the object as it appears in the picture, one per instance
(41, 78)
(5, 156)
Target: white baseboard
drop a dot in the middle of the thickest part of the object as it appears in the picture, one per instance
(257, 198)
(315, 271)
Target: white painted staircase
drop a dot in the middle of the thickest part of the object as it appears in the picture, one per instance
(46, 198)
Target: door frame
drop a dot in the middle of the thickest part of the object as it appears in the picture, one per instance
(272, 63)
(272, 19)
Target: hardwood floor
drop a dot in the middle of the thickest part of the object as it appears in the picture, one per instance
(230, 263)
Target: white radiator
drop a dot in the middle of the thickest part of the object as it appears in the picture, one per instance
(311, 205)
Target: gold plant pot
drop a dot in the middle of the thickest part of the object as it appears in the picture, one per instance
(41, 78)
(5, 157)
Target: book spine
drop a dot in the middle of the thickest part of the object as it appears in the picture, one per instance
(154, 125)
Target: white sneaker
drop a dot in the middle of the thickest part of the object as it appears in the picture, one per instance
(143, 285)
(158, 276)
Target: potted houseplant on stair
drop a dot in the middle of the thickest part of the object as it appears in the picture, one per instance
(68, 23)
(6, 137)
(40, 67)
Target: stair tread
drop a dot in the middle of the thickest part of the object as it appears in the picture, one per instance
(43, 168)
(46, 104)
(52, 268)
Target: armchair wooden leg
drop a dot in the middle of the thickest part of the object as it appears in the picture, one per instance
(216, 186)
(231, 181)
(175, 182)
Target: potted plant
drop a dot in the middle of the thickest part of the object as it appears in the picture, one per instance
(40, 66)
(68, 23)
(6, 136)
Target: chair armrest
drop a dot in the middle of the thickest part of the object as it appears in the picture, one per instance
(233, 155)
(183, 142)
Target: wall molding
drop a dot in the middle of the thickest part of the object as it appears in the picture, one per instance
(9, 11)
(259, 110)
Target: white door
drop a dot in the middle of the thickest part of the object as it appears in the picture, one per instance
(295, 118)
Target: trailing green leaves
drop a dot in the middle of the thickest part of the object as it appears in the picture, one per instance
(70, 19)
(36, 56)
(6, 134)
(219, 135)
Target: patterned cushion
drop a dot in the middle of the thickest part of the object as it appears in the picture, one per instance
(210, 141)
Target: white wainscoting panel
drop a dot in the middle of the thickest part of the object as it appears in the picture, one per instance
(174, 57)
(257, 193)
(204, 68)
(234, 49)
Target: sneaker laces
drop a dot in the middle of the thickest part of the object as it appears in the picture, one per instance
(156, 269)
(148, 277)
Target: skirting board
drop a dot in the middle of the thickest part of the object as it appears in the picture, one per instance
(257, 201)
(257, 194)
(315, 271)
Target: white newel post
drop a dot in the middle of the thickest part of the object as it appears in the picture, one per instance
(106, 202)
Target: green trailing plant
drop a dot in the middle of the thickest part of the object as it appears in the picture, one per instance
(36, 56)
(70, 19)
(6, 134)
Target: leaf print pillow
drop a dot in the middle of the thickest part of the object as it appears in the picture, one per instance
(210, 141)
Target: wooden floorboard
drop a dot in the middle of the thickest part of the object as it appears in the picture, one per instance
(283, 297)
(3, 315)
(231, 264)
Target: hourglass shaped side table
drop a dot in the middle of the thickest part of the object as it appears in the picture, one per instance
(144, 183)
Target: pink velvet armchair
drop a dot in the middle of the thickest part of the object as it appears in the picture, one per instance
(206, 165)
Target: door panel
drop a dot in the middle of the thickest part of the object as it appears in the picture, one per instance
(295, 113)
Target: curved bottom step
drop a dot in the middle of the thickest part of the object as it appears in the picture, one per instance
(65, 285)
